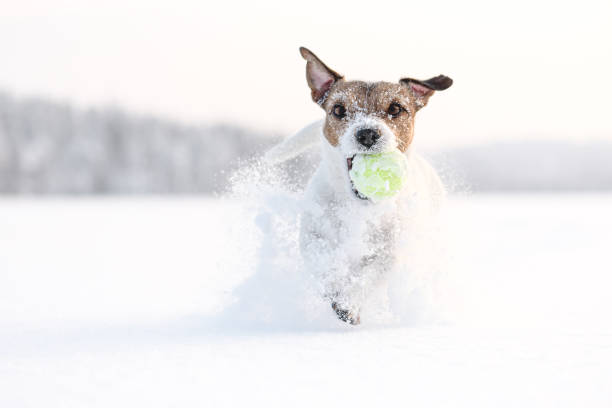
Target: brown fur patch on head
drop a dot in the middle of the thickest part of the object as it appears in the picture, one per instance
(371, 99)
(329, 89)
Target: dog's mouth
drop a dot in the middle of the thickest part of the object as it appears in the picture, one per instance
(349, 165)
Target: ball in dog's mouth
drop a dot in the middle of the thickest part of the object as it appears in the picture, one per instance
(377, 176)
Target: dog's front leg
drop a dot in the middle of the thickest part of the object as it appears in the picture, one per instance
(366, 272)
(322, 251)
(354, 289)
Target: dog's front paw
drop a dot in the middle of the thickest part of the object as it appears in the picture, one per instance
(346, 315)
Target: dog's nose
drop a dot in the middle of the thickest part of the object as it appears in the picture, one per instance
(367, 137)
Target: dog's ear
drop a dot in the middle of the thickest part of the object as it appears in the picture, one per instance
(319, 76)
(422, 90)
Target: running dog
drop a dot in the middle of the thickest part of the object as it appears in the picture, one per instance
(348, 242)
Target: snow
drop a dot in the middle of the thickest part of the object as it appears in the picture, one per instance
(127, 302)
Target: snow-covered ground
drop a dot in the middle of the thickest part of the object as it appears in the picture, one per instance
(109, 302)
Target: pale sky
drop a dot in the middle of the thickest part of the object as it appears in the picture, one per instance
(521, 68)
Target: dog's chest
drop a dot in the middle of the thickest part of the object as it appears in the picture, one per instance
(365, 229)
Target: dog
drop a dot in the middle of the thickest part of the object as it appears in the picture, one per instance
(349, 243)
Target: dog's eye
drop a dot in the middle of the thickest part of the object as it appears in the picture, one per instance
(395, 109)
(339, 111)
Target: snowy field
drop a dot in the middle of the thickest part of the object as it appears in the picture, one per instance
(109, 303)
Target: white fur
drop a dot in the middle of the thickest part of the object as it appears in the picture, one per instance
(295, 144)
(350, 245)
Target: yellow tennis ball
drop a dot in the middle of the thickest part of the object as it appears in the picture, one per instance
(379, 176)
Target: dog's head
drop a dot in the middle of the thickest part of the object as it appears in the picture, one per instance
(367, 117)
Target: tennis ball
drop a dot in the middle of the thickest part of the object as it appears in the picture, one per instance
(379, 176)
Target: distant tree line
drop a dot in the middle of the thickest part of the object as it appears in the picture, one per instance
(530, 165)
(52, 148)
